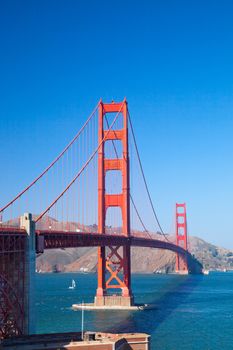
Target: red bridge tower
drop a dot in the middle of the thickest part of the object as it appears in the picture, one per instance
(114, 271)
(181, 238)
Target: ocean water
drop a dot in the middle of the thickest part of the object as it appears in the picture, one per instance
(191, 312)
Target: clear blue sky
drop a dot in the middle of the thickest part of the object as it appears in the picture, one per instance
(173, 62)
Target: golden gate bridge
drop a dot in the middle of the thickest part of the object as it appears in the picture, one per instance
(90, 195)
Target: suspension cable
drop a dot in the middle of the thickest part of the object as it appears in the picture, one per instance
(131, 198)
(145, 182)
(55, 161)
(83, 167)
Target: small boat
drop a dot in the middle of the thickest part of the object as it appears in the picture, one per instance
(83, 269)
(73, 285)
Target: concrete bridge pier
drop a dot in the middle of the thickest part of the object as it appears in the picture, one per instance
(28, 224)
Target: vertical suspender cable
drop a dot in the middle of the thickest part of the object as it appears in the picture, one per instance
(144, 180)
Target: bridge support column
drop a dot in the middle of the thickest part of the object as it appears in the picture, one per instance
(28, 224)
(181, 238)
(114, 273)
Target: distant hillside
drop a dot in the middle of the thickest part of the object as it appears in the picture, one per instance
(144, 260)
(211, 256)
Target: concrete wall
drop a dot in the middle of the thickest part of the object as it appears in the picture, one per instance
(113, 300)
(27, 223)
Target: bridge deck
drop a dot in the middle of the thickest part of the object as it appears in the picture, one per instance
(65, 239)
(61, 239)
(48, 239)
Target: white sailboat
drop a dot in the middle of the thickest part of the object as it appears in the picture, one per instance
(73, 285)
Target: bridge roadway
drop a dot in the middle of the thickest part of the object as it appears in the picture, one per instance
(49, 239)
(62, 239)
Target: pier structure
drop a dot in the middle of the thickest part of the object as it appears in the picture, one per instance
(28, 225)
(17, 271)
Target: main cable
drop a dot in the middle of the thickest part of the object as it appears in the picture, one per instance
(83, 167)
(145, 182)
(131, 198)
(53, 162)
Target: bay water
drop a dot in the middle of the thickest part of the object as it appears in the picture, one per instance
(190, 312)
